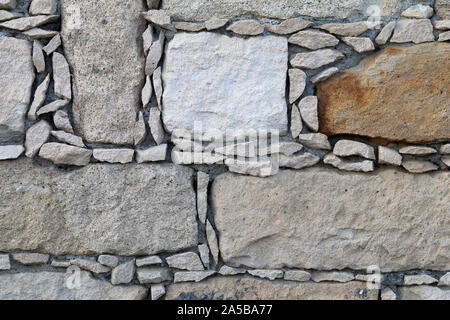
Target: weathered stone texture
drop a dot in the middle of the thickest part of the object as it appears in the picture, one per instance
(117, 209)
(247, 288)
(16, 80)
(443, 8)
(107, 59)
(384, 97)
(383, 219)
(225, 83)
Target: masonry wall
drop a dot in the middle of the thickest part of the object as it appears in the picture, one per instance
(224, 149)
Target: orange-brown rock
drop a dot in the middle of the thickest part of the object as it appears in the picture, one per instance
(400, 93)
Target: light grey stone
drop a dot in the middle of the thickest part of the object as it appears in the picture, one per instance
(61, 77)
(419, 166)
(297, 275)
(123, 273)
(296, 122)
(157, 291)
(418, 11)
(204, 254)
(315, 59)
(353, 29)
(386, 33)
(140, 131)
(324, 75)
(313, 39)
(68, 138)
(442, 8)
(147, 92)
(153, 275)
(444, 281)
(52, 107)
(54, 286)
(108, 260)
(297, 84)
(38, 33)
(148, 261)
(289, 148)
(27, 23)
(192, 276)
(158, 86)
(253, 71)
(335, 161)
(413, 30)
(30, 258)
(53, 45)
(105, 103)
(315, 141)
(333, 235)
(423, 293)
(246, 27)
(259, 168)
(244, 149)
(147, 39)
(90, 265)
(62, 121)
(288, 26)
(185, 261)
(11, 152)
(16, 81)
(334, 276)
(388, 294)
(417, 150)
(43, 7)
(160, 18)
(63, 154)
(202, 195)
(442, 24)
(189, 26)
(445, 149)
(5, 264)
(212, 242)
(38, 57)
(346, 148)
(60, 264)
(267, 274)
(298, 162)
(389, 156)
(39, 98)
(125, 210)
(360, 45)
(215, 23)
(37, 135)
(446, 160)
(154, 54)
(8, 4)
(8, 15)
(152, 154)
(412, 280)
(444, 36)
(308, 111)
(229, 271)
(114, 155)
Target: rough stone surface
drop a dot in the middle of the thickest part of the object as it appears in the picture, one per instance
(297, 275)
(423, 293)
(313, 39)
(11, 152)
(229, 271)
(346, 29)
(192, 276)
(212, 242)
(315, 141)
(411, 280)
(61, 76)
(140, 130)
(148, 261)
(38, 57)
(442, 8)
(419, 11)
(346, 148)
(324, 75)
(388, 294)
(37, 135)
(442, 24)
(389, 156)
(186, 261)
(215, 23)
(288, 26)
(39, 97)
(239, 83)
(5, 264)
(308, 111)
(298, 162)
(385, 33)
(147, 92)
(360, 45)
(156, 127)
(315, 59)
(17, 77)
(202, 195)
(158, 86)
(8, 4)
(384, 97)
(108, 260)
(335, 161)
(419, 166)
(63, 154)
(152, 154)
(248, 288)
(54, 44)
(297, 84)
(53, 286)
(445, 149)
(446, 160)
(27, 23)
(160, 18)
(52, 107)
(189, 26)
(398, 231)
(30, 258)
(114, 155)
(417, 150)
(108, 67)
(204, 254)
(320, 276)
(8, 15)
(153, 275)
(413, 30)
(157, 291)
(444, 36)
(124, 273)
(296, 122)
(68, 138)
(267, 274)
(246, 27)
(38, 33)
(445, 280)
(97, 209)
(43, 7)
(154, 54)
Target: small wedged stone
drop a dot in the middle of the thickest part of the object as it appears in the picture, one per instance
(442, 8)
(417, 150)
(240, 149)
(444, 281)
(419, 166)
(215, 23)
(5, 263)
(157, 86)
(297, 275)
(204, 254)
(442, 24)
(388, 294)
(346, 148)
(53, 44)
(413, 30)
(308, 111)
(298, 162)
(418, 11)
(147, 38)
(179, 157)
(52, 107)
(360, 45)
(11, 152)
(63, 154)
(186, 261)
(385, 34)
(315, 59)
(189, 26)
(313, 39)
(349, 29)
(140, 130)
(68, 138)
(29, 259)
(8, 4)
(114, 155)
(315, 141)
(36, 136)
(123, 273)
(38, 7)
(152, 154)
(335, 276)
(257, 168)
(324, 75)
(297, 84)
(60, 264)
(153, 275)
(61, 77)
(154, 54)
(444, 36)
(27, 23)
(202, 195)
(267, 274)
(156, 126)
(38, 57)
(289, 148)
(108, 260)
(389, 156)
(423, 293)
(148, 261)
(38, 33)
(192, 276)
(230, 271)
(157, 291)
(212, 242)
(160, 18)
(361, 166)
(62, 121)
(147, 92)
(8, 15)
(90, 265)
(413, 280)
(446, 160)
(246, 27)
(296, 122)
(288, 26)
(445, 149)
(39, 98)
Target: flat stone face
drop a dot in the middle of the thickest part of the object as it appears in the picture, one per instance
(16, 80)
(383, 97)
(247, 288)
(55, 286)
(283, 221)
(202, 10)
(443, 8)
(117, 209)
(106, 57)
(225, 83)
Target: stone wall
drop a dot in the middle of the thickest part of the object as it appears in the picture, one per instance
(224, 149)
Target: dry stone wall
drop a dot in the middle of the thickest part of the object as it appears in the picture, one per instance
(224, 149)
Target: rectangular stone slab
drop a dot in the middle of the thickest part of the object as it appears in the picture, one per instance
(106, 56)
(118, 209)
(325, 219)
(16, 81)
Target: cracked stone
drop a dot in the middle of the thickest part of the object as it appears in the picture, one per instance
(324, 75)
(39, 98)
(154, 54)
(53, 45)
(192, 276)
(313, 39)
(204, 254)
(212, 242)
